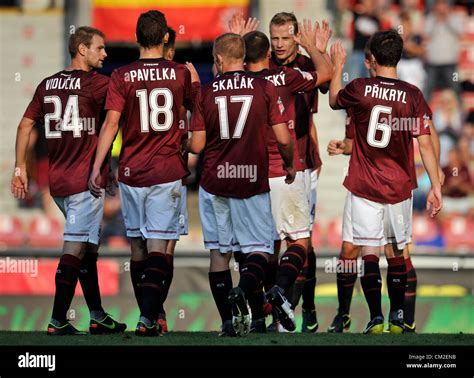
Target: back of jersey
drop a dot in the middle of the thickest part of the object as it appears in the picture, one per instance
(236, 109)
(387, 114)
(69, 105)
(150, 93)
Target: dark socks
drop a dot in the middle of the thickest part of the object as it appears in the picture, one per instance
(410, 293)
(168, 280)
(252, 273)
(345, 286)
(221, 284)
(270, 275)
(255, 300)
(136, 272)
(153, 284)
(90, 282)
(372, 285)
(396, 284)
(310, 283)
(291, 264)
(66, 280)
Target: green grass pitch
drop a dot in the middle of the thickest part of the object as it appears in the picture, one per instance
(211, 339)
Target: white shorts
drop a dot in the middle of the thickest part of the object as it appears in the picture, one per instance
(83, 213)
(236, 224)
(290, 208)
(347, 231)
(152, 212)
(183, 212)
(375, 224)
(313, 197)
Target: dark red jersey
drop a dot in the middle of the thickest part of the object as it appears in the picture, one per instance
(68, 104)
(150, 93)
(289, 83)
(305, 105)
(236, 110)
(387, 115)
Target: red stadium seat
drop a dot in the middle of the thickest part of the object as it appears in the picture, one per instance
(45, 232)
(458, 233)
(334, 233)
(316, 237)
(11, 231)
(425, 231)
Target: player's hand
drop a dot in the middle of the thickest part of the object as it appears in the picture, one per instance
(306, 36)
(185, 146)
(19, 184)
(441, 176)
(434, 202)
(336, 147)
(323, 35)
(238, 25)
(194, 74)
(94, 183)
(291, 174)
(338, 54)
(112, 184)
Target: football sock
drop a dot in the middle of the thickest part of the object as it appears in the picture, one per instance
(221, 284)
(239, 258)
(66, 280)
(252, 273)
(168, 280)
(153, 285)
(136, 273)
(270, 275)
(89, 281)
(255, 300)
(372, 285)
(396, 283)
(310, 283)
(410, 293)
(291, 264)
(345, 286)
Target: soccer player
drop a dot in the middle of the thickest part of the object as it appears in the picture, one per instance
(349, 252)
(168, 53)
(379, 178)
(68, 104)
(230, 124)
(290, 206)
(283, 28)
(148, 94)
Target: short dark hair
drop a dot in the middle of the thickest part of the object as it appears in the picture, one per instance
(386, 47)
(230, 45)
(151, 28)
(256, 46)
(82, 35)
(171, 39)
(284, 17)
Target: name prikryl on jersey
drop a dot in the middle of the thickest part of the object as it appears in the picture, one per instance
(150, 74)
(28, 360)
(388, 94)
(69, 83)
(236, 82)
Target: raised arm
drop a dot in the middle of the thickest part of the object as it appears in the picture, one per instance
(338, 58)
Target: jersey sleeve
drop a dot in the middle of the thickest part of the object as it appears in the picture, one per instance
(276, 109)
(34, 110)
(197, 117)
(350, 125)
(100, 84)
(349, 96)
(115, 93)
(188, 90)
(301, 81)
(423, 115)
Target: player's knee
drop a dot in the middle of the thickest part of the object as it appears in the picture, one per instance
(349, 251)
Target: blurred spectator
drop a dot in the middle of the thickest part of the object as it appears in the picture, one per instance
(366, 22)
(410, 68)
(457, 185)
(415, 14)
(342, 18)
(447, 119)
(442, 31)
(466, 142)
